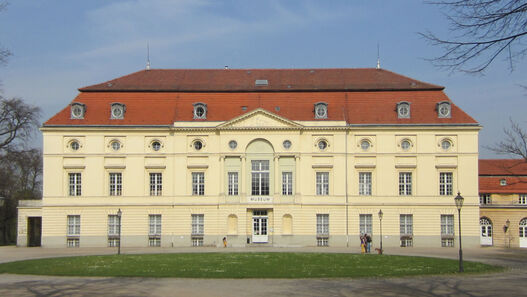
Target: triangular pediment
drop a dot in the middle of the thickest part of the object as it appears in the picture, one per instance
(260, 118)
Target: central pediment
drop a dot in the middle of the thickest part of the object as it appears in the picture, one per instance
(260, 119)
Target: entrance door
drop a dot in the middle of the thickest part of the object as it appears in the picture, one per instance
(485, 237)
(260, 226)
(523, 233)
(34, 231)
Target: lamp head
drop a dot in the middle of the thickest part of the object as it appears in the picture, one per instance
(380, 214)
(459, 201)
(119, 213)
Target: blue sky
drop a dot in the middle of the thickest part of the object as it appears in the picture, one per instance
(60, 46)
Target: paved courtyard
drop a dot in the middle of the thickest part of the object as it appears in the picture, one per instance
(509, 283)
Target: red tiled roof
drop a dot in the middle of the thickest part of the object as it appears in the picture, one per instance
(283, 80)
(165, 108)
(514, 185)
(502, 167)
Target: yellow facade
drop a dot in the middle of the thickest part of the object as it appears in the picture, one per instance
(290, 220)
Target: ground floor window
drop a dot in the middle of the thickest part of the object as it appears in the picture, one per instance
(447, 242)
(73, 242)
(322, 229)
(322, 241)
(113, 242)
(447, 230)
(406, 229)
(197, 241)
(365, 224)
(154, 230)
(154, 241)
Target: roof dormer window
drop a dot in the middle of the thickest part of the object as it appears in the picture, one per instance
(200, 111)
(444, 109)
(117, 111)
(77, 111)
(321, 110)
(403, 110)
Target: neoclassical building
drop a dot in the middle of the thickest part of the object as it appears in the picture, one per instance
(503, 202)
(266, 157)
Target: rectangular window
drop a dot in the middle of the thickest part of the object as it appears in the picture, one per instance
(365, 224)
(233, 183)
(447, 230)
(322, 224)
(484, 199)
(75, 184)
(322, 229)
(522, 199)
(198, 183)
(154, 230)
(260, 177)
(287, 183)
(445, 183)
(365, 183)
(197, 241)
(405, 183)
(406, 224)
(322, 183)
(198, 226)
(73, 242)
(156, 184)
(116, 184)
(74, 225)
(114, 223)
(406, 229)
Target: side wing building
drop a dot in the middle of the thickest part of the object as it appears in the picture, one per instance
(277, 157)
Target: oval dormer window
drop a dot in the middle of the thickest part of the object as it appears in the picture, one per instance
(321, 110)
(117, 111)
(403, 110)
(444, 109)
(200, 111)
(77, 110)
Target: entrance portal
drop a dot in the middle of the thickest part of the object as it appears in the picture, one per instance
(260, 220)
(34, 231)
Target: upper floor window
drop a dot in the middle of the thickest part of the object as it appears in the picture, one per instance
(198, 183)
(444, 109)
(200, 111)
(260, 177)
(365, 183)
(287, 183)
(116, 183)
(78, 110)
(117, 111)
(75, 188)
(403, 110)
(445, 183)
(405, 183)
(156, 184)
(522, 199)
(233, 183)
(321, 110)
(322, 183)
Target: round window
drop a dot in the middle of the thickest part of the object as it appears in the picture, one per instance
(445, 145)
(198, 145)
(405, 145)
(322, 145)
(116, 145)
(74, 145)
(287, 144)
(156, 145)
(233, 144)
(365, 145)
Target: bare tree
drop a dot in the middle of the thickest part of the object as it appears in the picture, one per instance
(483, 30)
(515, 142)
(18, 120)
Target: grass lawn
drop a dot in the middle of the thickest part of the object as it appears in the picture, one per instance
(243, 265)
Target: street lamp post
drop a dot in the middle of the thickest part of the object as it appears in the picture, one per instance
(380, 221)
(459, 203)
(119, 214)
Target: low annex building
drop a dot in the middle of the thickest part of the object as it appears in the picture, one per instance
(503, 202)
(277, 157)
